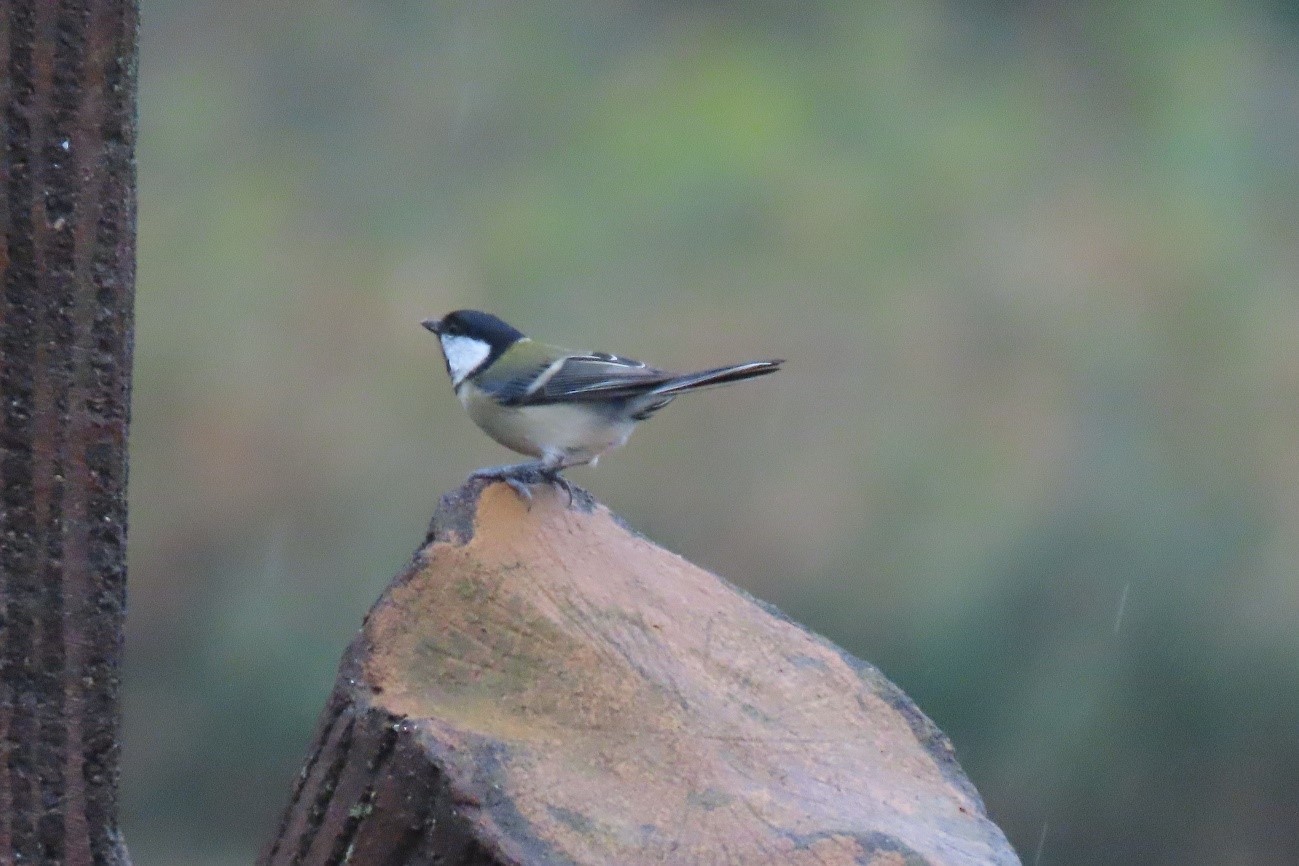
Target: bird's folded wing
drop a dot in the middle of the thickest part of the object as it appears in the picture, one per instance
(594, 376)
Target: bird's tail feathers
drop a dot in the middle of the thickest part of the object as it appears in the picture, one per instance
(717, 376)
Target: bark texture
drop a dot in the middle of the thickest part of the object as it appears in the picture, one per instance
(544, 686)
(68, 258)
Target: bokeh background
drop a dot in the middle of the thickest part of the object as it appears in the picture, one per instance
(1036, 270)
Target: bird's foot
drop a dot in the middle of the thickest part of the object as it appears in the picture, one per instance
(520, 475)
(517, 475)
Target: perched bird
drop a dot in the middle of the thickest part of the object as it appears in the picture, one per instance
(563, 408)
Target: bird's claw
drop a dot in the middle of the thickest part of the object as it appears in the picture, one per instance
(521, 488)
(561, 482)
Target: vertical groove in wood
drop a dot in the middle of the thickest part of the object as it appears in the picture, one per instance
(325, 731)
(370, 794)
(66, 314)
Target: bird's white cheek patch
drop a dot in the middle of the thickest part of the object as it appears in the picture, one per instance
(464, 354)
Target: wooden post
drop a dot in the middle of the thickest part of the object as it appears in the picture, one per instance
(68, 211)
(544, 686)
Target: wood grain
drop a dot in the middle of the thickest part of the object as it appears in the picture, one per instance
(552, 688)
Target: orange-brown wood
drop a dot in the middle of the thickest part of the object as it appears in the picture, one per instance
(580, 695)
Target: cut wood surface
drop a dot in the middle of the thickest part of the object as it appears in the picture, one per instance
(544, 686)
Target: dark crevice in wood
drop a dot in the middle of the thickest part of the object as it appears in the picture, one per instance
(325, 792)
(358, 811)
(326, 730)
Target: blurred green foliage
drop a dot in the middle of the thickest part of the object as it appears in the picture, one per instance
(1036, 270)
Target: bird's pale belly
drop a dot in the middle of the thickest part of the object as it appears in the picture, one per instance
(571, 431)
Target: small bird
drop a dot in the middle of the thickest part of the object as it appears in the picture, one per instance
(563, 408)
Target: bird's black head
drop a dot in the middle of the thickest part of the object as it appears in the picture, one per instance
(471, 341)
(476, 325)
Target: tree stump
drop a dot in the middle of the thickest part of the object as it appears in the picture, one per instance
(544, 686)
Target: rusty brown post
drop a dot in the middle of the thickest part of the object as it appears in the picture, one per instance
(68, 210)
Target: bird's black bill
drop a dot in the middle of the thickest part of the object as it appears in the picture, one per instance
(434, 325)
